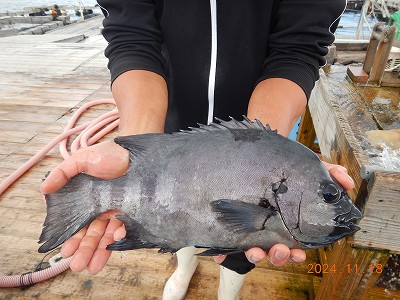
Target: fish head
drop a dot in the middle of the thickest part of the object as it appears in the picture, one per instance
(319, 213)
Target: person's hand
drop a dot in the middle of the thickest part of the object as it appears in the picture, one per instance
(105, 160)
(279, 254)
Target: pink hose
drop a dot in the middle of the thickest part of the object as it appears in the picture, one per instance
(35, 277)
(90, 133)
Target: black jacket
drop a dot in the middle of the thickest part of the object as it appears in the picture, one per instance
(213, 53)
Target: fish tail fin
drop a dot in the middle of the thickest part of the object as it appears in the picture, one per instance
(68, 211)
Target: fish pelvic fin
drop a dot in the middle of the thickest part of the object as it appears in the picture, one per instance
(242, 217)
(215, 251)
(68, 211)
(137, 237)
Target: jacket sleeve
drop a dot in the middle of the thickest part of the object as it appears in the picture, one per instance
(134, 36)
(301, 31)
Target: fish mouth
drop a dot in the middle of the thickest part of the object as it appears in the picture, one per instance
(348, 217)
(343, 227)
(344, 223)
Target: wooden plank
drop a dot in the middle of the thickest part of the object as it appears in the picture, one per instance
(22, 109)
(390, 138)
(351, 272)
(25, 228)
(82, 87)
(390, 277)
(380, 293)
(34, 214)
(32, 55)
(383, 104)
(91, 27)
(279, 286)
(30, 39)
(48, 103)
(343, 139)
(306, 134)
(342, 117)
(12, 89)
(33, 80)
(14, 126)
(336, 138)
(381, 217)
(28, 149)
(34, 203)
(14, 137)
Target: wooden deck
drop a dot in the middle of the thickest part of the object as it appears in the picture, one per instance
(43, 79)
(348, 120)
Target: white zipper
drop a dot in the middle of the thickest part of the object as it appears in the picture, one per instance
(330, 30)
(105, 9)
(213, 64)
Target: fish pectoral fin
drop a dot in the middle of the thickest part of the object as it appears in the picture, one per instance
(242, 217)
(218, 251)
(136, 237)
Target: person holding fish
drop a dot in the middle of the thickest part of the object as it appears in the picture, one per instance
(175, 64)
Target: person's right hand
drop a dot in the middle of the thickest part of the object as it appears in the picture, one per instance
(105, 160)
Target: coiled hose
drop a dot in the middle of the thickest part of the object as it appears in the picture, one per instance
(90, 133)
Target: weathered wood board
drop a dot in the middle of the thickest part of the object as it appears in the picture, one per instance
(380, 225)
(343, 114)
(351, 273)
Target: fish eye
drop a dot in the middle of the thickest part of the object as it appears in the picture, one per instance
(330, 193)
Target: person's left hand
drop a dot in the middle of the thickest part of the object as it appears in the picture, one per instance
(279, 254)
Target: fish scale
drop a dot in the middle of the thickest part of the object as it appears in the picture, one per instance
(228, 186)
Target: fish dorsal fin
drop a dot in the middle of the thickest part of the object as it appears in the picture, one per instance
(140, 144)
(233, 124)
(245, 124)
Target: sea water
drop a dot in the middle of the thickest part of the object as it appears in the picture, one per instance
(348, 25)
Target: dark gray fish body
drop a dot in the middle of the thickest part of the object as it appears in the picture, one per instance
(228, 187)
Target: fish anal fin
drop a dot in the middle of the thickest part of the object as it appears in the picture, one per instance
(242, 217)
(129, 244)
(137, 237)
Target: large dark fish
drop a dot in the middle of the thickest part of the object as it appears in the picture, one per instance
(226, 187)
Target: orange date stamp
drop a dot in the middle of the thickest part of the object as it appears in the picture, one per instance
(347, 269)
